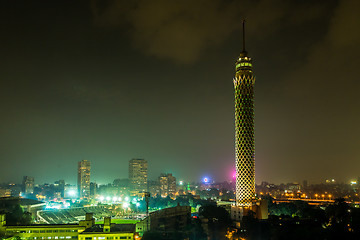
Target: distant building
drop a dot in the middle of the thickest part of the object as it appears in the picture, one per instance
(124, 183)
(122, 186)
(60, 187)
(84, 179)
(93, 189)
(4, 192)
(138, 176)
(293, 187)
(167, 184)
(154, 188)
(305, 184)
(28, 185)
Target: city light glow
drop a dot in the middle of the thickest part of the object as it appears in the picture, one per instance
(72, 193)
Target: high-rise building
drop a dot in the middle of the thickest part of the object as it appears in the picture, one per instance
(138, 176)
(167, 184)
(84, 179)
(28, 185)
(244, 129)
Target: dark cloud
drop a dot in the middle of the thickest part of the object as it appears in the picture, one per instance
(322, 95)
(183, 30)
(177, 30)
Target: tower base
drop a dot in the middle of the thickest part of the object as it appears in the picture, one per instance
(258, 209)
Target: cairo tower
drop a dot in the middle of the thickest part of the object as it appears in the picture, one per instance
(244, 81)
(244, 130)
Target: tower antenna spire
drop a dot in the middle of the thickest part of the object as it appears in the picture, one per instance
(243, 23)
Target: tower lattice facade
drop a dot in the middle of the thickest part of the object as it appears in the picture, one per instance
(244, 130)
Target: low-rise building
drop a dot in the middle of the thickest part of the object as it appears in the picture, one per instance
(109, 231)
(84, 230)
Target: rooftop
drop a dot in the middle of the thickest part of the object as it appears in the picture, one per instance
(99, 228)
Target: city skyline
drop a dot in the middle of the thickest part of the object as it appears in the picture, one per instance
(111, 82)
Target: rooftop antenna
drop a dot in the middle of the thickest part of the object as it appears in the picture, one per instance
(243, 23)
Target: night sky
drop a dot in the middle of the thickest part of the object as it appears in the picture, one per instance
(108, 81)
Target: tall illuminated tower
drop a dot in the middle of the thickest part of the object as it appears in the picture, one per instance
(84, 179)
(244, 129)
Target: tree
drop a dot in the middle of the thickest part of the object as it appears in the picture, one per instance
(153, 235)
(338, 213)
(218, 220)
